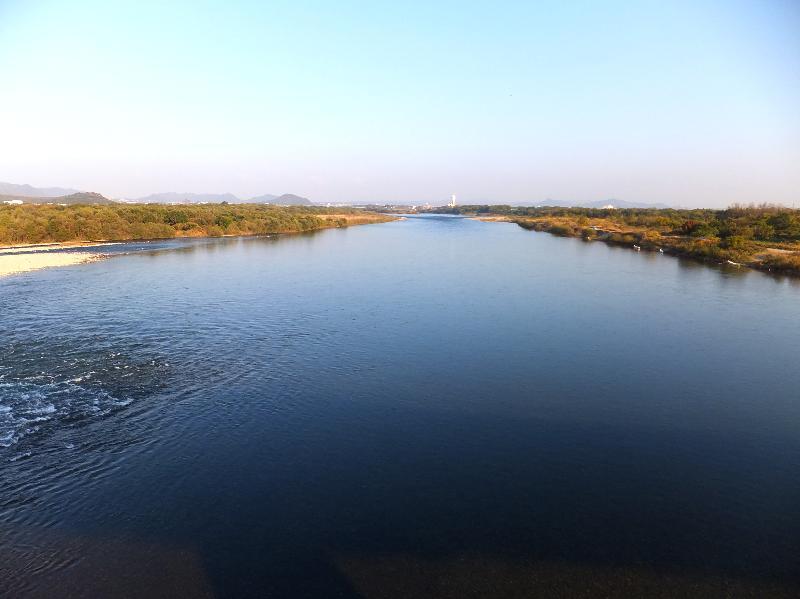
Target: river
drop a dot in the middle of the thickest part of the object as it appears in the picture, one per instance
(434, 406)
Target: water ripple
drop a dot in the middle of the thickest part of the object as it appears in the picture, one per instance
(46, 385)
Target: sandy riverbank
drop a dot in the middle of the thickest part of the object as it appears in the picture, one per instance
(11, 264)
(50, 247)
(15, 259)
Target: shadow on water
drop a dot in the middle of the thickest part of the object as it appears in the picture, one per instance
(591, 499)
(435, 506)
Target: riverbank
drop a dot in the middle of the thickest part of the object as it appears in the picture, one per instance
(12, 264)
(24, 257)
(50, 247)
(43, 224)
(765, 238)
(755, 255)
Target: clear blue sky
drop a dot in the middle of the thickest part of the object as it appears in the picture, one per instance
(689, 103)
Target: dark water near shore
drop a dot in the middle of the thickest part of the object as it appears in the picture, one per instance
(436, 406)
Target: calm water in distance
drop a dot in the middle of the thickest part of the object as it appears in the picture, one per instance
(435, 405)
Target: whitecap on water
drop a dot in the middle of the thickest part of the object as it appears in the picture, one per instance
(42, 392)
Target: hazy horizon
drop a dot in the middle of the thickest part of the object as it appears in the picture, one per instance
(690, 104)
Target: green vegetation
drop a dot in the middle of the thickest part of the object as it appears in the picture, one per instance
(118, 222)
(766, 237)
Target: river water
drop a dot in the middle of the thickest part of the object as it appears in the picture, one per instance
(430, 407)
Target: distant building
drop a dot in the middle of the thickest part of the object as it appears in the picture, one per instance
(12, 202)
(452, 203)
(608, 207)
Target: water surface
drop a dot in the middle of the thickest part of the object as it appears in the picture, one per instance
(435, 406)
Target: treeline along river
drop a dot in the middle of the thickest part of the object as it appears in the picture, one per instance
(428, 407)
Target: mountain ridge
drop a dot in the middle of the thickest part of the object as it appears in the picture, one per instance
(81, 197)
(173, 197)
(29, 191)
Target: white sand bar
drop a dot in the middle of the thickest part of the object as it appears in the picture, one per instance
(17, 263)
(52, 247)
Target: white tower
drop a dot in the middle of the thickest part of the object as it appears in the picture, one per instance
(452, 203)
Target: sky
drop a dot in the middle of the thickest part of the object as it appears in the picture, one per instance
(689, 103)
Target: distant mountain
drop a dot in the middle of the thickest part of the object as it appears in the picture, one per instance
(215, 198)
(82, 197)
(563, 203)
(267, 198)
(187, 198)
(602, 204)
(43, 195)
(27, 191)
(289, 199)
(620, 204)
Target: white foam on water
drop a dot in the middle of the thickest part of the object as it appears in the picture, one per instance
(31, 403)
(43, 393)
(47, 409)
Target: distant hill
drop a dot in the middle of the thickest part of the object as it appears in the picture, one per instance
(216, 198)
(171, 197)
(267, 198)
(83, 197)
(27, 191)
(289, 199)
(43, 195)
(565, 203)
(603, 203)
(622, 204)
